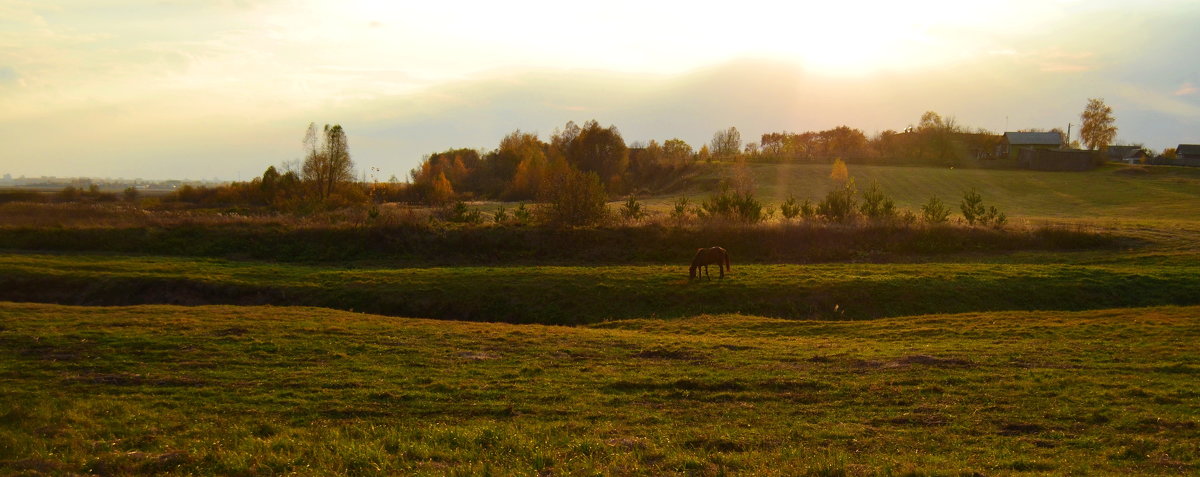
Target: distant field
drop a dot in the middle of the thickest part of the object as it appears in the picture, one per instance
(588, 294)
(1109, 192)
(275, 390)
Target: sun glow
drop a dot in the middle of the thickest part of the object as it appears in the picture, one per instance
(838, 38)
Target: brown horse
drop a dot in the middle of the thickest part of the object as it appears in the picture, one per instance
(709, 256)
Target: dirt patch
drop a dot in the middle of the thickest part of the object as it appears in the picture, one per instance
(139, 463)
(927, 360)
(131, 379)
(37, 466)
(716, 445)
(628, 443)
(235, 331)
(916, 419)
(1132, 171)
(477, 356)
(669, 353)
(1019, 428)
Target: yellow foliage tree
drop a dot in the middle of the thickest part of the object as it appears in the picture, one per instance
(442, 191)
(839, 172)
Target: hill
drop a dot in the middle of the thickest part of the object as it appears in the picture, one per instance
(1109, 192)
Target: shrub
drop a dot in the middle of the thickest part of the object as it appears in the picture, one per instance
(68, 194)
(130, 194)
(994, 218)
(935, 212)
(680, 210)
(790, 209)
(633, 210)
(459, 213)
(521, 214)
(732, 206)
(876, 204)
(500, 215)
(974, 211)
(839, 204)
(574, 198)
(808, 210)
(972, 207)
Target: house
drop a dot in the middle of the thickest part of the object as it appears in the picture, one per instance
(1120, 153)
(1188, 155)
(1014, 142)
(1126, 154)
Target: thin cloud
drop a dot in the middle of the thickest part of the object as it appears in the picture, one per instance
(9, 76)
(1056, 61)
(1186, 89)
(1155, 101)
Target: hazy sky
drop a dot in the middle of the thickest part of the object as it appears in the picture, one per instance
(205, 88)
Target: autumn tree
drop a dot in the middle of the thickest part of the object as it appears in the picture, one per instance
(937, 138)
(677, 153)
(839, 172)
(520, 162)
(843, 141)
(327, 163)
(726, 143)
(1099, 126)
(592, 148)
(572, 198)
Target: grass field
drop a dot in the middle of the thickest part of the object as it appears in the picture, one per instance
(827, 351)
(1107, 193)
(271, 390)
(577, 294)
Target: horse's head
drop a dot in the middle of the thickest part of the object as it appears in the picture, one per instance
(692, 273)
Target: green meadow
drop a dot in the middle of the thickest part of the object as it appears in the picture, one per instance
(826, 350)
(274, 390)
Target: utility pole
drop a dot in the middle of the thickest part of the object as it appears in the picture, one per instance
(1069, 135)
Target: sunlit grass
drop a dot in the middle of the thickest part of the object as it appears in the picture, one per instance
(1101, 194)
(269, 390)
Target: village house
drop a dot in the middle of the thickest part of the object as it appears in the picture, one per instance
(1014, 142)
(1188, 155)
(1126, 154)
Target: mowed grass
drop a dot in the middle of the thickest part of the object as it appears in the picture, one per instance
(273, 390)
(1106, 193)
(569, 295)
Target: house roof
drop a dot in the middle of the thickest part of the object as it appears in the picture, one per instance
(1188, 149)
(1122, 151)
(1033, 138)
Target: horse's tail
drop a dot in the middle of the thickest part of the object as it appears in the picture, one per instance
(726, 254)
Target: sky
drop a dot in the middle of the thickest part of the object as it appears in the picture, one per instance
(204, 89)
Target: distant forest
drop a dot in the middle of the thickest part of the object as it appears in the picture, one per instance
(525, 168)
(579, 164)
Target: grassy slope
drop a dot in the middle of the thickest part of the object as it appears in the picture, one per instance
(573, 295)
(270, 390)
(1162, 193)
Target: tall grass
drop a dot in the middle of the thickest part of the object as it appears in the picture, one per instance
(411, 239)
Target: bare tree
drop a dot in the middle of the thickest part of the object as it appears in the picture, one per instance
(327, 161)
(726, 143)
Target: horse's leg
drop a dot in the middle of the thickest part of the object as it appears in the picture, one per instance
(721, 269)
